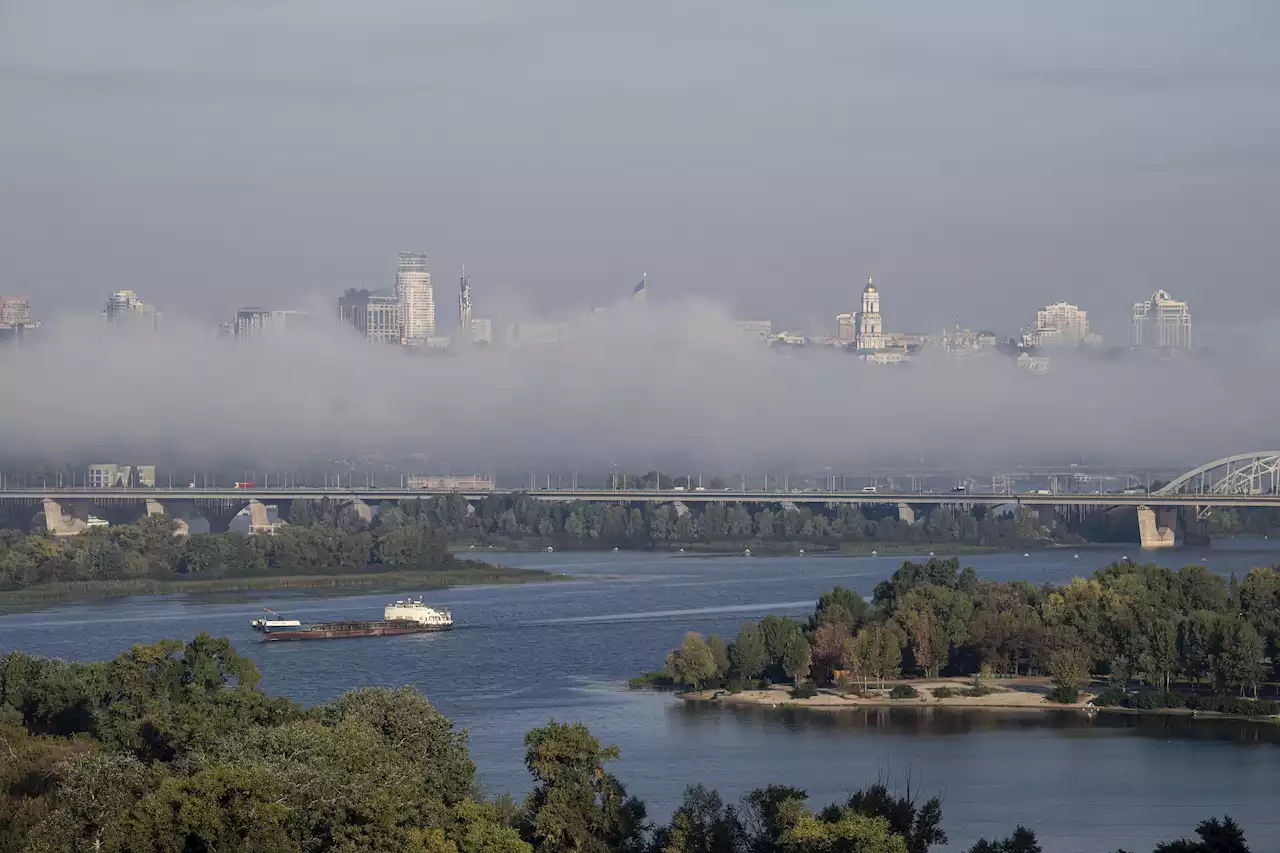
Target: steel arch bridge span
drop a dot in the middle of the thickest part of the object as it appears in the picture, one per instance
(1243, 474)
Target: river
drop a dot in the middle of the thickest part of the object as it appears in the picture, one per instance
(522, 655)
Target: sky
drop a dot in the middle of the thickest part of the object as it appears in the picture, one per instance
(981, 159)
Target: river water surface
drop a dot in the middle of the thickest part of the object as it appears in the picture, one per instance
(522, 655)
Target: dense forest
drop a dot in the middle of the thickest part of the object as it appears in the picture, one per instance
(501, 519)
(1140, 626)
(325, 542)
(173, 747)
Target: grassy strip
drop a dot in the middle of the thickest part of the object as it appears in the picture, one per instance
(92, 590)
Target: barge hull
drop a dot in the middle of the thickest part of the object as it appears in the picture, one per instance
(339, 633)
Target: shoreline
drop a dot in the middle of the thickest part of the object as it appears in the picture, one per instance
(778, 549)
(1006, 697)
(84, 591)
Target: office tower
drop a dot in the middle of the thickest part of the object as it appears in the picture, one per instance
(846, 328)
(254, 323)
(1161, 322)
(464, 303)
(870, 331)
(416, 299)
(1060, 323)
(353, 307)
(374, 314)
(124, 306)
(762, 329)
(481, 330)
(15, 311)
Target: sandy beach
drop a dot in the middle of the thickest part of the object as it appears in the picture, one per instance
(1022, 694)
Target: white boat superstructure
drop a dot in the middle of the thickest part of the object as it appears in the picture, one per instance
(414, 610)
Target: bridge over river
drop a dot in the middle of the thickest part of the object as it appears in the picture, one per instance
(1242, 481)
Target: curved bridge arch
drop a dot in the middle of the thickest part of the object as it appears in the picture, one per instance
(1243, 474)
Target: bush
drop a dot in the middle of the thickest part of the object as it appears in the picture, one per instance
(977, 690)
(652, 680)
(945, 692)
(904, 691)
(807, 690)
(1151, 700)
(1111, 697)
(1235, 705)
(1063, 694)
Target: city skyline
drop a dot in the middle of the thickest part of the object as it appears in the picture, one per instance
(379, 316)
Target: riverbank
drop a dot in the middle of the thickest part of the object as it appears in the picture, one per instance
(63, 592)
(766, 548)
(1026, 693)
(1021, 694)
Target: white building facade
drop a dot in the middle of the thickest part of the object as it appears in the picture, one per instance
(870, 334)
(416, 298)
(1161, 322)
(1060, 323)
(124, 306)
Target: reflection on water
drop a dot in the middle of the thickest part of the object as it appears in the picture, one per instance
(935, 720)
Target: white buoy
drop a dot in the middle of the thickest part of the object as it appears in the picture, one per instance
(874, 554)
(1028, 554)
(801, 552)
(1076, 557)
(747, 552)
(550, 549)
(681, 550)
(615, 549)
(930, 553)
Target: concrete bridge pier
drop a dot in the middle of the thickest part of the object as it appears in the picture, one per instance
(1047, 516)
(1157, 528)
(179, 511)
(220, 514)
(906, 514)
(1195, 526)
(66, 518)
(360, 510)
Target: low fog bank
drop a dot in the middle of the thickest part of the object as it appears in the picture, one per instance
(633, 385)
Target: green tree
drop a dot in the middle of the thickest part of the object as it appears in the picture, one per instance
(694, 663)
(702, 824)
(576, 806)
(1023, 840)
(1216, 836)
(1069, 670)
(748, 656)
(796, 657)
(1238, 655)
(920, 826)
(845, 832)
(720, 653)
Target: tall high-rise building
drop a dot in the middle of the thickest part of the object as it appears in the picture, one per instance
(252, 323)
(846, 328)
(1161, 322)
(870, 330)
(464, 302)
(375, 315)
(353, 308)
(417, 301)
(1060, 323)
(124, 306)
(15, 311)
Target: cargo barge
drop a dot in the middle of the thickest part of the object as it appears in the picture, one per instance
(403, 617)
